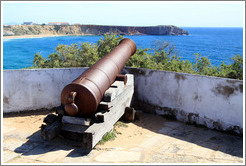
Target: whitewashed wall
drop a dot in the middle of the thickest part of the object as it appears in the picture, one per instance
(35, 89)
(210, 101)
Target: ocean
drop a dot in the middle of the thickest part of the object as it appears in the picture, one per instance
(218, 44)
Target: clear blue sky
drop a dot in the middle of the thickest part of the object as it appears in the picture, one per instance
(183, 14)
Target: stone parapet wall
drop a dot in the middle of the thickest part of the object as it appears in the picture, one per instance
(34, 89)
(210, 101)
(214, 102)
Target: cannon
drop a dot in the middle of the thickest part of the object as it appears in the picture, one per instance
(82, 96)
(92, 103)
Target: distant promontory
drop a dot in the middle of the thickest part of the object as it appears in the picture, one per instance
(17, 30)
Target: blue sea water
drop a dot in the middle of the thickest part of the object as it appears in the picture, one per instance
(218, 44)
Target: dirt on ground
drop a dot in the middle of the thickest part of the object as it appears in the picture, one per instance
(29, 122)
(130, 134)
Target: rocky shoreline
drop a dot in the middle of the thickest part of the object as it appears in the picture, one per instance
(23, 30)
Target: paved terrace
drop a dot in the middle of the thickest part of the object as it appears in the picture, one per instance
(151, 139)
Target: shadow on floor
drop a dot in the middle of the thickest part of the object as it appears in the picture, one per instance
(202, 136)
(37, 146)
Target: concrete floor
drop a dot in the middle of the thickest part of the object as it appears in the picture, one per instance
(151, 139)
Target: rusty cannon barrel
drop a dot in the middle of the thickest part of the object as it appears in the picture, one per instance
(83, 95)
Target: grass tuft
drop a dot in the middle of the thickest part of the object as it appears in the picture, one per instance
(109, 136)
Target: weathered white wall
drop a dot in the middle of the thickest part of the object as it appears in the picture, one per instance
(210, 101)
(35, 89)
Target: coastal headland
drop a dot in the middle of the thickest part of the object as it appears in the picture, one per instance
(22, 31)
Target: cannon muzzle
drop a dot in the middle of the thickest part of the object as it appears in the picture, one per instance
(83, 95)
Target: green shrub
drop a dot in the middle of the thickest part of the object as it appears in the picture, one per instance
(108, 43)
(163, 57)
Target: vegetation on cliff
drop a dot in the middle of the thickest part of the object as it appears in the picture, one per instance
(91, 30)
(163, 57)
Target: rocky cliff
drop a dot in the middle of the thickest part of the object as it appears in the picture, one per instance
(91, 30)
